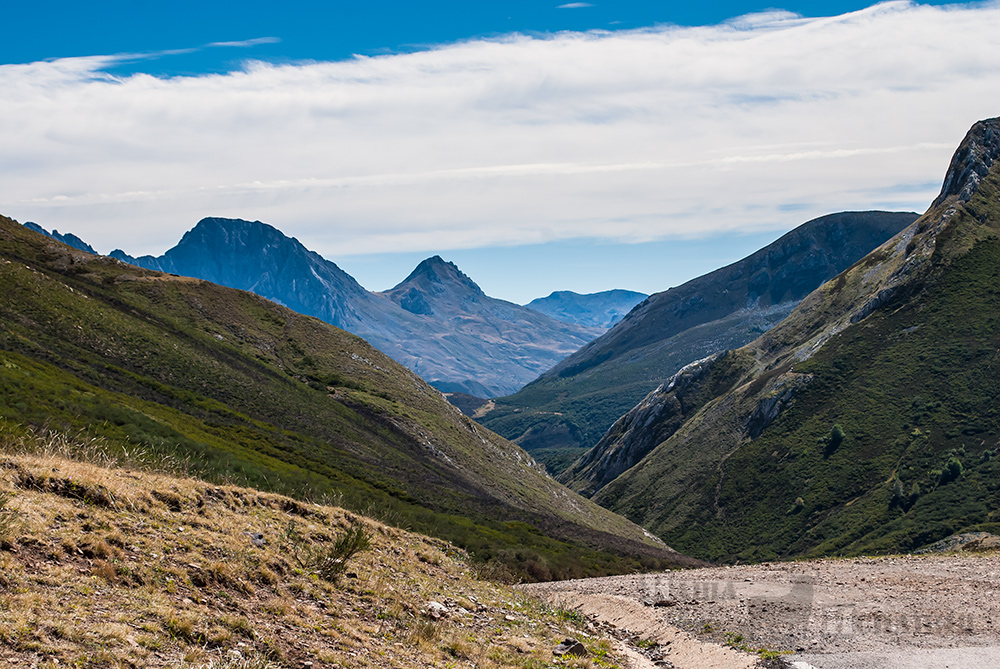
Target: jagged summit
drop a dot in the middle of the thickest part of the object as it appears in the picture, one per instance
(972, 161)
(437, 274)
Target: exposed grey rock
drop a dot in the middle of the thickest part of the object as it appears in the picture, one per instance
(436, 610)
(640, 430)
(972, 161)
(256, 538)
(774, 400)
(570, 647)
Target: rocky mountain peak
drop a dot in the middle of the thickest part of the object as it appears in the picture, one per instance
(437, 274)
(972, 161)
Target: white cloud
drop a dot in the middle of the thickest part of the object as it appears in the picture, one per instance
(240, 44)
(574, 5)
(758, 123)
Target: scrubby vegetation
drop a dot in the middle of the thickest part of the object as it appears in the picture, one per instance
(112, 566)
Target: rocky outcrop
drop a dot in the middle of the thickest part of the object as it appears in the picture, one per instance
(972, 161)
(639, 431)
(775, 399)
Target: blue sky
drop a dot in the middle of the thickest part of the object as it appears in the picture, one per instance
(539, 146)
(328, 30)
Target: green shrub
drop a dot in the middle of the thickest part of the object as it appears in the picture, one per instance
(952, 470)
(328, 561)
(898, 496)
(832, 440)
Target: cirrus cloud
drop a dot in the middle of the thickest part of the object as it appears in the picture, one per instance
(758, 123)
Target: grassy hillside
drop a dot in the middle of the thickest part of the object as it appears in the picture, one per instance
(248, 391)
(114, 567)
(891, 432)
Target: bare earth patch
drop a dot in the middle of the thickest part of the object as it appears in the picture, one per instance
(902, 611)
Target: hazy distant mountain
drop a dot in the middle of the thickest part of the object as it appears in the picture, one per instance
(866, 422)
(571, 406)
(600, 310)
(486, 344)
(68, 239)
(437, 322)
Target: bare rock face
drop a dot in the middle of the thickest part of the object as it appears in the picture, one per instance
(774, 400)
(639, 431)
(972, 161)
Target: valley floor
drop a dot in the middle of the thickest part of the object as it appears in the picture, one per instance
(887, 612)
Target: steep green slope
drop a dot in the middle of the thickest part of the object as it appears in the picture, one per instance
(570, 407)
(865, 422)
(251, 391)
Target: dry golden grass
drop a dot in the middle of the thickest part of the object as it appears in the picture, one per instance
(105, 566)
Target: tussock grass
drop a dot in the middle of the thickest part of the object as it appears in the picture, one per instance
(160, 571)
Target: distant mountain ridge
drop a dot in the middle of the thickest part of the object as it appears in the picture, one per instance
(437, 322)
(601, 310)
(570, 407)
(68, 239)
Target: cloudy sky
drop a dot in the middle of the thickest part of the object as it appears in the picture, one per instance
(582, 146)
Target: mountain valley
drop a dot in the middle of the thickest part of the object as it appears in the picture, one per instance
(865, 422)
(569, 408)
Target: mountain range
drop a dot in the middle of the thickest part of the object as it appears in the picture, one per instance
(602, 309)
(437, 322)
(865, 422)
(570, 407)
(168, 368)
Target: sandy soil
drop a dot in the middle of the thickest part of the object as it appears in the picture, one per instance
(910, 611)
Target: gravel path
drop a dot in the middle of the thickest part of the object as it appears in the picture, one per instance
(894, 612)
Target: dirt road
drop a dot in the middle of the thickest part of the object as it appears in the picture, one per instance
(894, 612)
